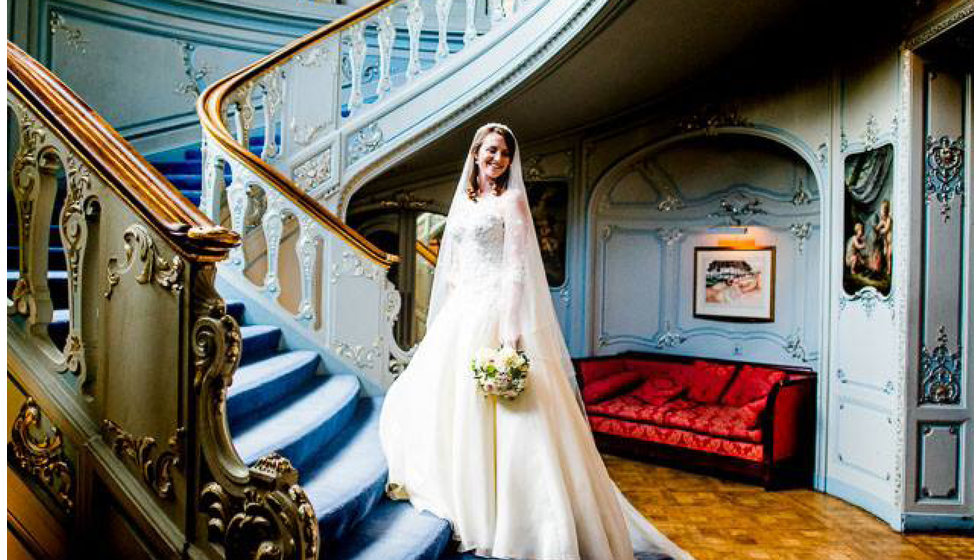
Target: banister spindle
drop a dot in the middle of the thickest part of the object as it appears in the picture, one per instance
(386, 43)
(470, 32)
(306, 252)
(442, 14)
(358, 53)
(237, 205)
(272, 228)
(415, 19)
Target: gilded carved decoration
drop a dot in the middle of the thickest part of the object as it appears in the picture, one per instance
(40, 453)
(140, 248)
(711, 117)
(252, 513)
(81, 206)
(272, 519)
(156, 468)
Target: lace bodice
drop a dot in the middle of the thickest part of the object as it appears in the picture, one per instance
(479, 238)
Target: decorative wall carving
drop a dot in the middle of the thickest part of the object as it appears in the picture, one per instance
(940, 370)
(944, 172)
(364, 357)
(194, 84)
(670, 338)
(305, 134)
(40, 453)
(801, 232)
(73, 35)
(155, 468)
(363, 142)
(735, 209)
(710, 117)
(140, 249)
(314, 171)
(351, 265)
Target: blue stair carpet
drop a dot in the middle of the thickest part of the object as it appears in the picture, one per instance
(281, 400)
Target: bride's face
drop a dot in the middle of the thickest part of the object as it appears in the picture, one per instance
(493, 157)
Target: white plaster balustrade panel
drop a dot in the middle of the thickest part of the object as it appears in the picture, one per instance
(354, 307)
(311, 107)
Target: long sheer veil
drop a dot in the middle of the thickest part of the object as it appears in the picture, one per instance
(535, 320)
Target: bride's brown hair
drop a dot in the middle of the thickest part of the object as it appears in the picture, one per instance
(500, 183)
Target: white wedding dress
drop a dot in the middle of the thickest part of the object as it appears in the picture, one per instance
(516, 479)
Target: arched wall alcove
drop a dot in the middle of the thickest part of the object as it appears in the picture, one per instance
(649, 213)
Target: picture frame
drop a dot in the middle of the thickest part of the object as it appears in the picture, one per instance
(734, 284)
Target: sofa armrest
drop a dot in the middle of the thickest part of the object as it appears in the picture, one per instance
(588, 370)
(787, 422)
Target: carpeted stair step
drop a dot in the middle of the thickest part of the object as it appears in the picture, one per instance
(346, 479)
(395, 531)
(259, 342)
(262, 383)
(237, 310)
(301, 425)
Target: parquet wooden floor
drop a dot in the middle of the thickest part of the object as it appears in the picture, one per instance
(717, 519)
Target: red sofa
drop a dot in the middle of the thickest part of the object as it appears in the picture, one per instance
(750, 420)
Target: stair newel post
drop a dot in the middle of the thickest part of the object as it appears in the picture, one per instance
(272, 228)
(356, 57)
(386, 42)
(246, 512)
(416, 18)
(238, 204)
(470, 33)
(442, 14)
(306, 247)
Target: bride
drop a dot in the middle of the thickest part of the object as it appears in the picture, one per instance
(517, 479)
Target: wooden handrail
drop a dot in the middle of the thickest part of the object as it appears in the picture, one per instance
(211, 103)
(426, 253)
(137, 182)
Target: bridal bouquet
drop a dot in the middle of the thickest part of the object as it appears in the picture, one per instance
(501, 372)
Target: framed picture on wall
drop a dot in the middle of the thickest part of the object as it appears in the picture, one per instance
(735, 284)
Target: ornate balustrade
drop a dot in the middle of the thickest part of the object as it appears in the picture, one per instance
(304, 102)
(123, 350)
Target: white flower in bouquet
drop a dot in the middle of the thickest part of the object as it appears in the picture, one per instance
(501, 372)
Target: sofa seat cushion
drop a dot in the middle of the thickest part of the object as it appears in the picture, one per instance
(717, 420)
(708, 381)
(658, 390)
(751, 384)
(611, 386)
(629, 407)
(677, 437)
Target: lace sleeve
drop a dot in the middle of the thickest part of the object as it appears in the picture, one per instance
(517, 223)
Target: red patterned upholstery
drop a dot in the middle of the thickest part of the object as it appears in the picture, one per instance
(708, 381)
(658, 390)
(755, 421)
(677, 437)
(597, 369)
(611, 386)
(751, 383)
